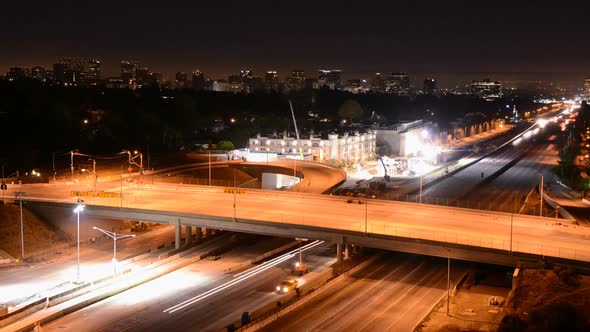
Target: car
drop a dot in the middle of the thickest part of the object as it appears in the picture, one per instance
(286, 286)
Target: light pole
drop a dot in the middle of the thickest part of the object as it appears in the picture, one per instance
(512, 221)
(94, 173)
(20, 195)
(541, 200)
(3, 186)
(79, 208)
(366, 207)
(209, 167)
(420, 189)
(115, 237)
(235, 189)
(448, 280)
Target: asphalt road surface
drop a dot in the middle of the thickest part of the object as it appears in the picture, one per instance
(199, 297)
(393, 294)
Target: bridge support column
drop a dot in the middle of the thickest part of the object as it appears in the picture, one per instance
(339, 253)
(347, 251)
(177, 235)
(198, 233)
(207, 232)
(188, 236)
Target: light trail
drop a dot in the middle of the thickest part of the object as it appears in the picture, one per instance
(243, 276)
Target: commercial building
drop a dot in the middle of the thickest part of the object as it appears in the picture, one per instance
(429, 87)
(180, 82)
(398, 84)
(353, 86)
(330, 78)
(198, 80)
(486, 89)
(587, 89)
(17, 73)
(38, 73)
(129, 70)
(378, 83)
(296, 81)
(345, 147)
(271, 81)
(94, 70)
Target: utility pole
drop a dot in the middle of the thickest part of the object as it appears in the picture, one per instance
(72, 163)
(448, 280)
(420, 189)
(209, 167)
(53, 162)
(235, 189)
(541, 200)
(366, 207)
(3, 185)
(512, 221)
(20, 195)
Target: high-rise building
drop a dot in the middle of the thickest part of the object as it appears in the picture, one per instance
(144, 76)
(398, 84)
(247, 80)
(296, 81)
(353, 85)
(17, 73)
(486, 89)
(59, 72)
(587, 89)
(330, 78)
(198, 80)
(429, 87)
(74, 69)
(180, 80)
(129, 70)
(271, 81)
(377, 84)
(38, 73)
(93, 69)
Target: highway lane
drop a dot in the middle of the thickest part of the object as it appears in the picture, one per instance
(147, 307)
(95, 260)
(456, 185)
(392, 294)
(507, 192)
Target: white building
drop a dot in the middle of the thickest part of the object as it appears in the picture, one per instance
(346, 147)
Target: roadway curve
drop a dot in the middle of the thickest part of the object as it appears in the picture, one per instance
(315, 177)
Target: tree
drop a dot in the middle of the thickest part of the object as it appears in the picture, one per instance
(351, 109)
(225, 145)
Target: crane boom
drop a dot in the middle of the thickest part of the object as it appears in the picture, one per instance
(296, 130)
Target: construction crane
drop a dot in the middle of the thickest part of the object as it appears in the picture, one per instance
(296, 130)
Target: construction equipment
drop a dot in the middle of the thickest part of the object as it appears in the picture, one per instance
(386, 177)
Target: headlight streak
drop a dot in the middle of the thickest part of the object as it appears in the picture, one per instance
(241, 277)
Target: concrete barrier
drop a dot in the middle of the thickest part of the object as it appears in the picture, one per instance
(320, 284)
(143, 277)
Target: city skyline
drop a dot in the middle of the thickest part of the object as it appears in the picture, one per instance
(450, 42)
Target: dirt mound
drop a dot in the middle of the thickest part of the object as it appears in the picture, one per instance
(38, 236)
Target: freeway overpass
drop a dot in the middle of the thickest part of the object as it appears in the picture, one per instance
(467, 234)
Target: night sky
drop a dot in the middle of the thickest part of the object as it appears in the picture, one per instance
(451, 42)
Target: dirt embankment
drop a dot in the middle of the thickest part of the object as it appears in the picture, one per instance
(539, 288)
(38, 236)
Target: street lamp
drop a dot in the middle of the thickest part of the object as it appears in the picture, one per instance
(115, 237)
(541, 200)
(94, 173)
(20, 195)
(79, 208)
